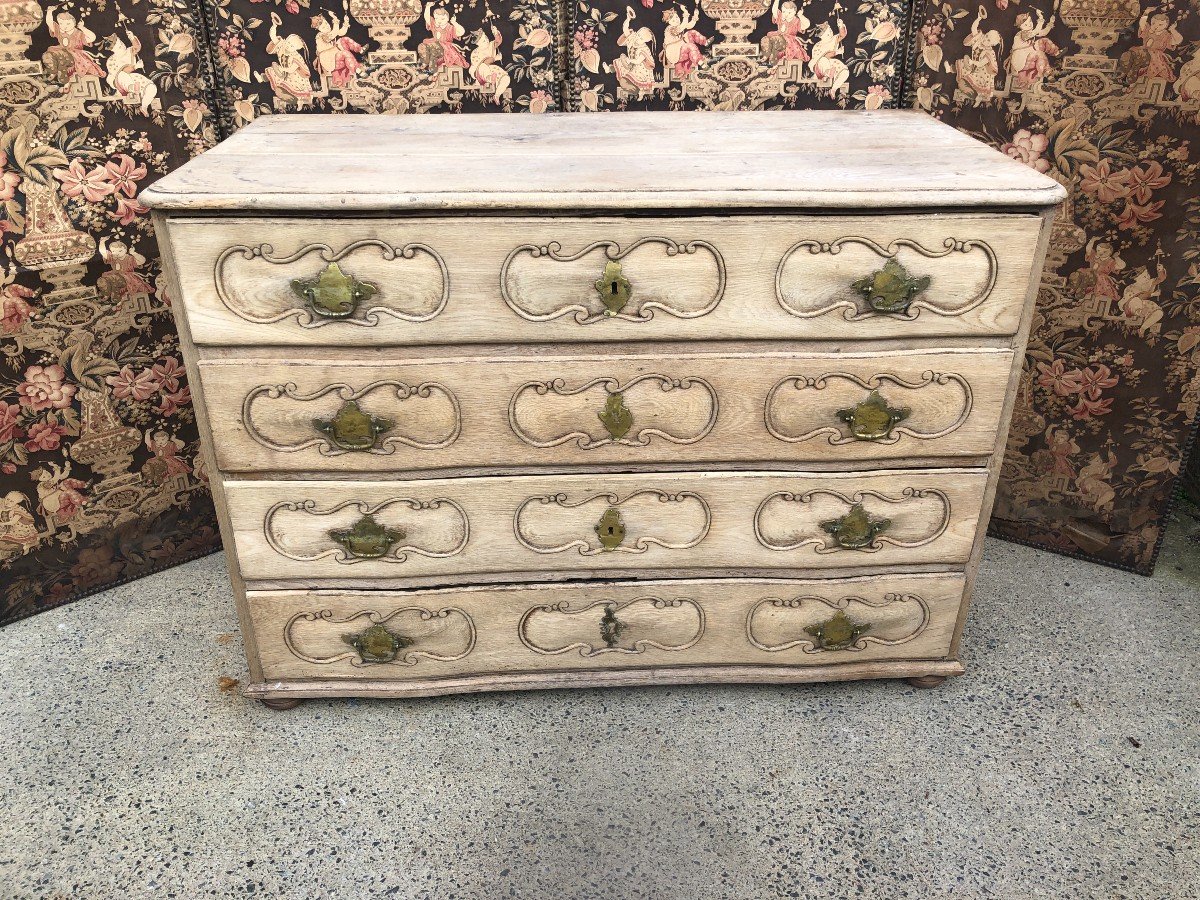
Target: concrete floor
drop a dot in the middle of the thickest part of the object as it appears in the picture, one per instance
(1063, 765)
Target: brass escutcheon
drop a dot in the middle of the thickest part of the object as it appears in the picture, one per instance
(616, 417)
(610, 626)
(838, 632)
(351, 428)
(377, 644)
(614, 288)
(873, 419)
(891, 289)
(610, 529)
(367, 539)
(333, 294)
(856, 529)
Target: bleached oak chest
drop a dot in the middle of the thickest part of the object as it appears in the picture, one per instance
(496, 402)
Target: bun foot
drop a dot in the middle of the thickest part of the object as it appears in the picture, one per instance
(926, 681)
(282, 704)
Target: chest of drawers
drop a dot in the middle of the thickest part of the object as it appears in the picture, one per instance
(520, 401)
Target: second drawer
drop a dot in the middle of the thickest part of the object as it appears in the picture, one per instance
(465, 529)
(632, 407)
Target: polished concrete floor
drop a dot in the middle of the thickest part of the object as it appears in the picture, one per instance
(1063, 765)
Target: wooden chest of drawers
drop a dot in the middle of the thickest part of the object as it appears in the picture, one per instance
(494, 402)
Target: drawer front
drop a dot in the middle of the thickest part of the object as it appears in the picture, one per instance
(428, 281)
(627, 408)
(572, 525)
(508, 629)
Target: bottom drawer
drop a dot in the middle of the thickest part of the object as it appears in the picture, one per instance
(504, 630)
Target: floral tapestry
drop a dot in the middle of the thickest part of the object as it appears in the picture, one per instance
(100, 481)
(384, 56)
(1104, 96)
(736, 54)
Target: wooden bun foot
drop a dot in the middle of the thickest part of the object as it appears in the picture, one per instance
(926, 681)
(282, 704)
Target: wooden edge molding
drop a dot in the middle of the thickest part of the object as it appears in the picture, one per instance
(406, 657)
(859, 639)
(878, 542)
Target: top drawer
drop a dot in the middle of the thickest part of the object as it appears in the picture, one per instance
(533, 279)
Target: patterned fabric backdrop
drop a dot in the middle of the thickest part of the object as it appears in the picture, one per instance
(99, 476)
(1104, 96)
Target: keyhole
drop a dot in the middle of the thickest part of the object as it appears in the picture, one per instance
(613, 285)
(610, 530)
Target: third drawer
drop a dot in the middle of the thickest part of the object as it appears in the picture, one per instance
(617, 408)
(470, 529)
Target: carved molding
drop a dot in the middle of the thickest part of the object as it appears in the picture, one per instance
(639, 437)
(822, 541)
(589, 648)
(855, 310)
(587, 547)
(384, 447)
(641, 311)
(836, 433)
(304, 317)
(397, 554)
(408, 656)
(803, 606)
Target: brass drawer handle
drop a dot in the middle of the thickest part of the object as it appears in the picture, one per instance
(614, 288)
(616, 417)
(838, 632)
(377, 644)
(856, 529)
(874, 418)
(891, 289)
(367, 539)
(610, 529)
(351, 428)
(333, 294)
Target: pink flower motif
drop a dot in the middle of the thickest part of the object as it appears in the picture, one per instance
(8, 468)
(45, 387)
(167, 374)
(126, 385)
(9, 416)
(44, 436)
(16, 310)
(169, 404)
(1086, 409)
(1134, 213)
(1105, 184)
(1027, 147)
(1094, 379)
(539, 101)
(1057, 378)
(124, 174)
(1145, 179)
(127, 210)
(877, 95)
(8, 180)
(93, 186)
(292, 6)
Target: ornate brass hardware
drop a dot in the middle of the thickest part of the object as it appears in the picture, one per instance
(377, 644)
(856, 529)
(333, 294)
(616, 417)
(610, 529)
(614, 288)
(837, 633)
(610, 626)
(891, 289)
(367, 539)
(873, 419)
(351, 428)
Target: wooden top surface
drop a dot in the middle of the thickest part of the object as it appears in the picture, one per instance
(594, 161)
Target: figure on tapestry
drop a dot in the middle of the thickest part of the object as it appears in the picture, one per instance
(125, 73)
(289, 75)
(976, 73)
(70, 59)
(1032, 49)
(18, 527)
(635, 68)
(441, 50)
(681, 51)
(826, 65)
(122, 278)
(485, 64)
(1139, 301)
(337, 56)
(784, 43)
(167, 463)
(1103, 265)
(60, 496)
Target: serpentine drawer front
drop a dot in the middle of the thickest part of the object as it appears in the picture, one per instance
(538, 401)
(422, 281)
(627, 408)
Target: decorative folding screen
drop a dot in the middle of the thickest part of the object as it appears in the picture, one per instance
(100, 480)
